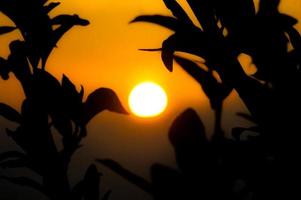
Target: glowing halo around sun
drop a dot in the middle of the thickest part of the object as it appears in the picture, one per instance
(147, 100)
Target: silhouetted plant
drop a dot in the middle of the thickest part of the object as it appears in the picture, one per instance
(48, 103)
(259, 167)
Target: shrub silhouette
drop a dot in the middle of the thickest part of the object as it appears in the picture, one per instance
(260, 167)
(47, 98)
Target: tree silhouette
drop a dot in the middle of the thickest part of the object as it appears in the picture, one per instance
(48, 103)
(260, 167)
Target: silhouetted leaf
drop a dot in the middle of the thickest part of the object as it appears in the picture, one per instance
(204, 12)
(234, 15)
(65, 22)
(177, 11)
(24, 181)
(92, 181)
(14, 163)
(107, 195)
(128, 175)
(151, 50)
(188, 137)
(187, 128)
(100, 100)
(81, 92)
(72, 98)
(238, 131)
(6, 29)
(51, 6)
(10, 155)
(69, 20)
(9, 113)
(214, 90)
(88, 188)
(165, 21)
(4, 69)
(168, 50)
(247, 117)
(167, 183)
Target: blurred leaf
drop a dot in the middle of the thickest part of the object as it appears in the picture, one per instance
(62, 123)
(88, 188)
(238, 131)
(187, 130)
(24, 181)
(11, 154)
(247, 117)
(92, 181)
(4, 69)
(128, 175)
(100, 100)
(165, 21)
(16, 163)
(168, 183)
(81, 92)
(6, 29)
(106, 195)
(177, 11)
(9, 113)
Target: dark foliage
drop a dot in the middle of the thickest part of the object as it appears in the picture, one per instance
(264, 166)
(49, 103)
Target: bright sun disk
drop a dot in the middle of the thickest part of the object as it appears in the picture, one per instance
(147, 100)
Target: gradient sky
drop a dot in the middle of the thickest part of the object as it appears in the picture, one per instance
(105, 54)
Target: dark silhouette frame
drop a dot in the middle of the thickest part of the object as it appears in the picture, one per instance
(49, 106)
(264, 166)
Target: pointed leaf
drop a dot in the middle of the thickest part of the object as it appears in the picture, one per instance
(92, 181)
(51, 6)
(88, 188)
(168, 50)
(9, 113)
(72, 99)
(204, 12)
(177, 11)
(69, 21)
(70, 90)
(188, 129)
(188, 137)
(100, 100)
(165, 21)
(81, 92)
(158, 49)
(214, 90)
(6, 29)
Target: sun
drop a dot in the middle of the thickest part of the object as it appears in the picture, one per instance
(147, 99)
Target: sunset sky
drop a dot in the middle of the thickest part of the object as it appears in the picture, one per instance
(105, 54)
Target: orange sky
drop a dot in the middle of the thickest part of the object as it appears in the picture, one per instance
(105, 54)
